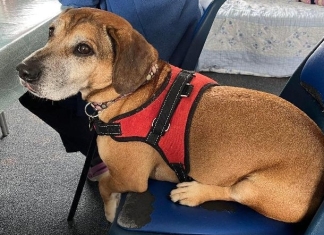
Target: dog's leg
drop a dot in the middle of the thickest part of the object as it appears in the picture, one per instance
(262, 195)
(194, 193)
(110, 199)
(110, 188)
(276, 199)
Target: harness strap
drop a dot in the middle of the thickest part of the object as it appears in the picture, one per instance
(181, 172)
(103, 128)
(180, 88)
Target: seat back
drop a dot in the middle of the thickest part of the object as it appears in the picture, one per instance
(187, 57)
(316, 227)
(305, 89)
(312, 76)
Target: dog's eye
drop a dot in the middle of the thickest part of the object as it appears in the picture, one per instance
(83, 50)
(50, 32)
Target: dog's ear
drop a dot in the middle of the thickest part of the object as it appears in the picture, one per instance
(133, 59)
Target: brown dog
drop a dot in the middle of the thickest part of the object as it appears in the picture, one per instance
(244, 145)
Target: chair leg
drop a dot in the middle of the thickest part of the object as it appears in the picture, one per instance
(83, 177)
(3, 124)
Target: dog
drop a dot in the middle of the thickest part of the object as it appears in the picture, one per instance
(243, 145)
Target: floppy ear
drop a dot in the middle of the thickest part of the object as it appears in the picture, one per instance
(133, 59)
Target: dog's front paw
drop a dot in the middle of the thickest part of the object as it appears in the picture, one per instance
(111, 206)
(187, 193)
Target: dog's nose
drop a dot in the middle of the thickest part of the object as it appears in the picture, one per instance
(28, 73)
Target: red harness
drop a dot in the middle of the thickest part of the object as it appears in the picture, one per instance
(169, 136)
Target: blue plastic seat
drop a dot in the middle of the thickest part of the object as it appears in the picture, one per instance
(153, 213)
(316, 227)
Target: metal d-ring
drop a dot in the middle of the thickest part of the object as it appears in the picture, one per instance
(86, 112)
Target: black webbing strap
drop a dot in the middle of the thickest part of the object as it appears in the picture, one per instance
(180, 88)
(103, 128)
(181, 172)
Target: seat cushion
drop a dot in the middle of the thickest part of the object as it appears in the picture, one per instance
(153, 212)
(312, 75)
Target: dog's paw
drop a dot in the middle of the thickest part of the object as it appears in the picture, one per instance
(187, 193)
(111, 206)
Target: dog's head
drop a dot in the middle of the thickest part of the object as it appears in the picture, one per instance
(88, 50)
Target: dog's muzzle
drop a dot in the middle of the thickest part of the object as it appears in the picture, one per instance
(29, 72)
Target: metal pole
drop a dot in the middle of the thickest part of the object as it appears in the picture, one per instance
(3, 124)
(83, 177)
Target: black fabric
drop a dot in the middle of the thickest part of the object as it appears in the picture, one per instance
(65, 117)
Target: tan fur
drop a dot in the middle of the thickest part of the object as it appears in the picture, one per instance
(245, 146)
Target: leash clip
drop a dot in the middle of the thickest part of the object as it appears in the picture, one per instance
(91, 117)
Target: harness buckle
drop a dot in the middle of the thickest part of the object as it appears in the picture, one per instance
(186, 91)
(153, 124)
